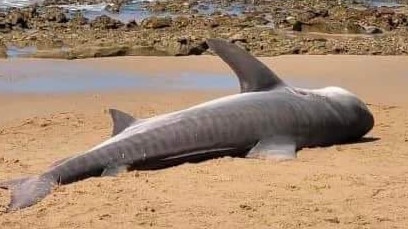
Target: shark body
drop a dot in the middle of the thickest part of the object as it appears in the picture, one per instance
(269, 119)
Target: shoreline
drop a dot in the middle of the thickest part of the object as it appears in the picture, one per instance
(179, 28)
(376, 73)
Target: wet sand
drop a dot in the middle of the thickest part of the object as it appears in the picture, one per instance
(362, 185)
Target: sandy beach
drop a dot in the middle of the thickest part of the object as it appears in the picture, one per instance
(361, 185)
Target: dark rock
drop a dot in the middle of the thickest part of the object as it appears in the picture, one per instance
(322, 13)
(212, 23)
(338, 49)
(198, 49)
(156, 22)
(217, 13)
(230, 21)
(350, 28)
(182, 47)
(382, 11)
(17, 19)
(106, 22)
(55, 15)
(297, 26)
(181, 21)
(131, 24)
(79, 19)
(250, 21)
(114, 8)
(4, 26)
(373, 30)
(238, 37)
(295, 50)
(310, 14)
(158, 7)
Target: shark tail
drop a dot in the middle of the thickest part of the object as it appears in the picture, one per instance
(27, 191)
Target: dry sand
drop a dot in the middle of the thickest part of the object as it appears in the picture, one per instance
(362, 185)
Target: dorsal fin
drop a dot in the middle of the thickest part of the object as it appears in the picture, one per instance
(121, 121)
(253, 75)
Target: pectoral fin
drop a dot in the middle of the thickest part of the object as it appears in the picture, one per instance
(274, 148)
(114, 170)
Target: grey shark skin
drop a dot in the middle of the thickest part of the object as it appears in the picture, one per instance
(268, 117)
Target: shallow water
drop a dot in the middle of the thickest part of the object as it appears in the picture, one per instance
(133, 10)
(135, 4)
(380, 3)
(16, 3)
(62, 76)
(68, 76)
(14, 51)
(128, 12)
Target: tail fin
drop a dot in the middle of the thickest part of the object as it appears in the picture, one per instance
(27, 191)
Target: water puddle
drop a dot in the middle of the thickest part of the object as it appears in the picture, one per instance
(61, 76)
(231, 9)
(14, 51)
(128, 12)
(4, 4)
(382, 3)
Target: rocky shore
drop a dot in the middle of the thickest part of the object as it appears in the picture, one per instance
(180, 27)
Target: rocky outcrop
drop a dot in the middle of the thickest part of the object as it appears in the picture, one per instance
(106, 22)
(83, 52)
(183, 47)
(5, 27)
(78, 19)
(17, 19)
(156, 22)
(55, 14)
(267, 29)
(331, 27)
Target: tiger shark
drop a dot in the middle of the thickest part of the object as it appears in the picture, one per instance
(268, 119)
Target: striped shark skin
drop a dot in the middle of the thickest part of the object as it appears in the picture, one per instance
(268, 120)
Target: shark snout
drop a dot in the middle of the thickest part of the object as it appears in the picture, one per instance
(368, 120)
(365, 120)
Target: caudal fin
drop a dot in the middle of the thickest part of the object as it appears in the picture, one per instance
(27, 191)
